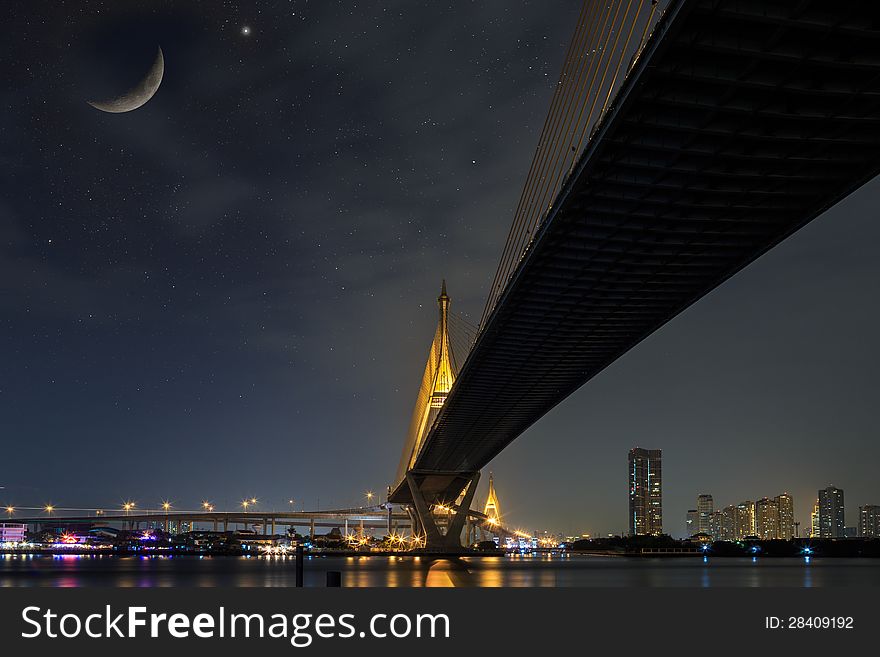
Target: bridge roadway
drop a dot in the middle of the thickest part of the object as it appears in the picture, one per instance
(741, 122)
(369, 518)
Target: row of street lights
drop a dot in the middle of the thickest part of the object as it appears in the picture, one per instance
(128, 506)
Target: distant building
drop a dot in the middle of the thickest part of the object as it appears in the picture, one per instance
(831, 513)
(692, 524)
(722, 524)
(767, 518)
(12, 532)
(785, 502)
(715, 525)
(705, 508)
(645, 492)
(728, 524)
(745, 520)
(815, 531)
(869, 521)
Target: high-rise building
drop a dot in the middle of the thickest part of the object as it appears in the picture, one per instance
(831, 515)
(815, 531)
(785, 503)
(645, 492)
(869, 521)
(715, 525)
(722, 523)
(745, 520)
(728, 524)
(767, 518)
(692, 524)
(705, 508)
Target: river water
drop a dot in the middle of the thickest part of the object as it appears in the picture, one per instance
(544, 571)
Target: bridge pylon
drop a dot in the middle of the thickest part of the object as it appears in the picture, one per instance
(426, 491)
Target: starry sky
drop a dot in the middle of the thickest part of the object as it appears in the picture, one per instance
(230, 292)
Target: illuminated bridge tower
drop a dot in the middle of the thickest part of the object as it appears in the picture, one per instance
(492, 509)
(437, 381)
(440, 372)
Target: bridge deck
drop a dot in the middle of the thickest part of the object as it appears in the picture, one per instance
(742, 121)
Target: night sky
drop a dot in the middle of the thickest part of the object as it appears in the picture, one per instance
(230, 291)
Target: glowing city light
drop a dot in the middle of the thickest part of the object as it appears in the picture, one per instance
(48, 508)
(10, 510)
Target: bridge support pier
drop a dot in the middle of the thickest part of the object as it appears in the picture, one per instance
(423, 515)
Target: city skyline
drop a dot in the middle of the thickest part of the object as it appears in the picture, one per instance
(199, 317)
(867, 515)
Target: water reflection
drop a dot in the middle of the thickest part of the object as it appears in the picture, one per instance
(426, 571)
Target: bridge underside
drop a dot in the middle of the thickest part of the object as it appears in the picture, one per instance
(742, 121)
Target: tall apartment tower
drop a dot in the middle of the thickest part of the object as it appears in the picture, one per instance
(692, 523)
(705, 508)
(767, 518)
(869, 521)
(645, 492)
(745, 519)
(831, 520)
(785, 502)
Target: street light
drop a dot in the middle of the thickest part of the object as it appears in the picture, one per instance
(206, 505)
(127, 507)
(245, 504)
(10, 510)
(369, 496)
(49, 509)
(166, 505)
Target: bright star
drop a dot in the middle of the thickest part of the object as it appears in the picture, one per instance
(246, 30)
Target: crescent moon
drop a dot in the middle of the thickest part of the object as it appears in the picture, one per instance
(137, 96)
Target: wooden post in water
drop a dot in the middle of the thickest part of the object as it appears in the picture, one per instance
(299, 565)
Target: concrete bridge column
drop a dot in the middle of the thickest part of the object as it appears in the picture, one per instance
(435, 541)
